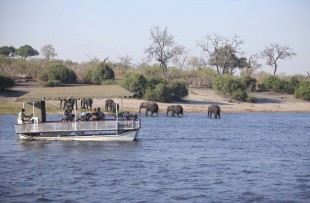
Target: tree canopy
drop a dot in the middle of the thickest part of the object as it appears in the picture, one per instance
(26, 51)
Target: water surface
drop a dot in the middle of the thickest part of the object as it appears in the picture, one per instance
(242, 157)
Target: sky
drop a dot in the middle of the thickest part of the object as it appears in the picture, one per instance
(80, 29)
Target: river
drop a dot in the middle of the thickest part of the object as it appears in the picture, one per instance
(242, 157)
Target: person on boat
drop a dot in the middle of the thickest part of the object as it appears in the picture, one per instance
(21, 116)
(95, 115)
(100, 114)
(83, 115)
(70, 115)
(65, 117)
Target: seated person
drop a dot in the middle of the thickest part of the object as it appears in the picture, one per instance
(83, 115)
(95, 115)
(100, 114)
(65, 117)
(70, 115)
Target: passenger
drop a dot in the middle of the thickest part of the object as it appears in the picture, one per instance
(70, 115)
(65, 117)
(100, 114)
(95, 115)
(83, 115)
(21, 117)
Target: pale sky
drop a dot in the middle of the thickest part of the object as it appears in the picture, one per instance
(118, 28)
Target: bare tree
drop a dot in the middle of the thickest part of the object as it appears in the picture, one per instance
(252, 64)
(275, 52)
(221, 52)
(180, 57)
(194, 63)
(48, 51)
(162, 49)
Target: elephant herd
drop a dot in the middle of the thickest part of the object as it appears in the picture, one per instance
(152, 107)
(176, 110)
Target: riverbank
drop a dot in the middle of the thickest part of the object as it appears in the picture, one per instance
(198, 100)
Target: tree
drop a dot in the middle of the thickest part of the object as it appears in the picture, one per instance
(275, 52)
(180, 57)
(26, 51)
(194, 63)
(252, 64)
(48, 51)
(7, 51)
(222, 53)
(162, 49)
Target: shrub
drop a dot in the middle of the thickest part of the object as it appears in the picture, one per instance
(6, 82)
(53, 83)
(57, 71)
(292, 84)
(275, 83)
(134, 82)
(249, 82)
(99, 74)
(239, 95)
(160, 93)
(178, 89)
(303, 91)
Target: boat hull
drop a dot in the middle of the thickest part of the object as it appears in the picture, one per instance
(124, 136)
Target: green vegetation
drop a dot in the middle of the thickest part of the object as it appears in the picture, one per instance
(99, 74)
(303, 90)
(58, 72)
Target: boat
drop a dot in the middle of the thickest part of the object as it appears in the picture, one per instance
(39, 128)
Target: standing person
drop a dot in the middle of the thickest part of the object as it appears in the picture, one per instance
(21, 116)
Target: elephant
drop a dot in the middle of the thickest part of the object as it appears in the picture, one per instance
(108, 104)
(215, 109)
(68, 103)
(88, 103)
(149, 106)
(175, 109)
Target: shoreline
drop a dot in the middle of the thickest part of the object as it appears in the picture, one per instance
(198, 101)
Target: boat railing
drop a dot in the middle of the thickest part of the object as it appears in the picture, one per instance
(105, 125)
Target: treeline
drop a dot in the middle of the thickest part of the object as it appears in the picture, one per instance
(148, 82)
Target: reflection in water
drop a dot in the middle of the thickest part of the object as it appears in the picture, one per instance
(246, 157)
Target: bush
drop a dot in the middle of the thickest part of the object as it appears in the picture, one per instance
(275, 83)
(58, 72)
(6, 82)
(303, 91)
(134, 82)
(178, 89)
(239, 95)
(160, 93)
(99, 74)
(249, 82)
(292, 84)
(53, 83)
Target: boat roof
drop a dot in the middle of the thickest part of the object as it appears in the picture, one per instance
(75, 92)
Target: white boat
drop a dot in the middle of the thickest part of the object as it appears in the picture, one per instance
(105, 130)
(39, 128)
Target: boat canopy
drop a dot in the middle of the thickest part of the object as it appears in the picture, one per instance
(75, 92)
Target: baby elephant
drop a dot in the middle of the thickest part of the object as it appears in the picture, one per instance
(215, 109)
(175, 109)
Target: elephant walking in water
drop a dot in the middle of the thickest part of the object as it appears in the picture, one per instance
(87, 103)
(149, 106)
(175, 109)
(216, 110)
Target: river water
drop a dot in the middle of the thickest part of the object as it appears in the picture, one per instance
(242, 157)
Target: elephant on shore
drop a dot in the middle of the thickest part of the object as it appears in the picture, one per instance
(87, 103)
(216, 110)
(175, 110)
(149, 106)
(108, 104)
(68, 103)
